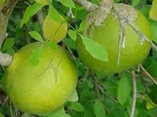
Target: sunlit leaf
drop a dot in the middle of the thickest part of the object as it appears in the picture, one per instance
(77, 107)
(145, 11)
(72, 34)
(74, 97)
(52, 44)
(124, 89)
(99, 109)
(59, 113)
(95, 49)
(8, 44)
(67, 3)
(135, 2)
(153, 26)
(149, 103)
(30, 11)
(36, 36)
(45, 2)
(152, 67)
(153, 10)
(35, 56)
(82, 26)
(53, 13)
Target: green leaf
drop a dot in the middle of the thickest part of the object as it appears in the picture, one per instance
(70, 43)
(72, 34)
(30, 11)
(99, 109)
(59, 113)
(51, 44)
(153, 10)
(145, 11)
(53, 13)
(36, 55)
(149, 103)
(135, 2)
(67, 3)
(77, 107)
(82, 26)
(153, 26)
(36, 36)
(117, 0)
(8, 44)
(74, 97)
(95, 49)
(1, 115)
(124, 89)
(45, 2)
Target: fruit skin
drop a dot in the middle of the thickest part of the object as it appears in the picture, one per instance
(107, 35)
(44, 87)
(53, 30)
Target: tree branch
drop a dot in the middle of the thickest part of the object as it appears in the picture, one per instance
(144, 71)
(142, 36)
(88, 6)
(133, 106)
(96, 85)
(4, 17)
(5, 59)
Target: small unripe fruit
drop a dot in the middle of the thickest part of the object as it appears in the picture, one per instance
(55, 31)
(43, 87)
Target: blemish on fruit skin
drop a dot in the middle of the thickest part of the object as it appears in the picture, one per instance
(55, 68)
(54, 65)
(31, 86)
(124, 13)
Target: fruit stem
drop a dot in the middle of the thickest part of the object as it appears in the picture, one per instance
(4, 17)
(96, 85)
(147, 74)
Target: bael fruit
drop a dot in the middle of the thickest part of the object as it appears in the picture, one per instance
(108, 35)
(42, 87)
(54, 30)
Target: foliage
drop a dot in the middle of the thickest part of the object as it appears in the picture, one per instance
(97, 95)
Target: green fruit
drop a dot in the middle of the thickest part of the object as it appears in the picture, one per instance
(43, 87)
(108, 36)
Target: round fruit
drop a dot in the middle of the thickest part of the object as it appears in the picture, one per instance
(42, 87)
(108, 35)
(54, 30)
